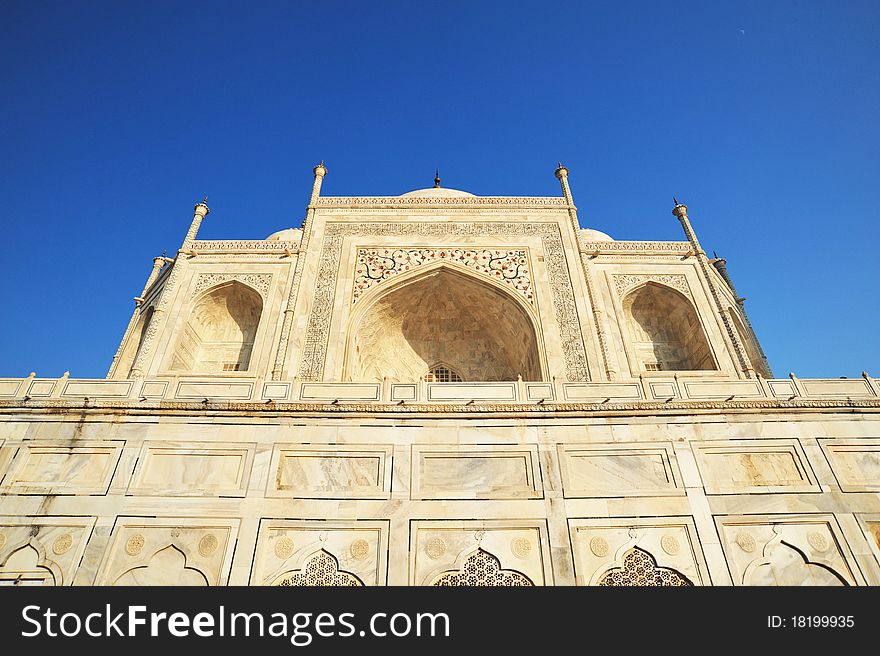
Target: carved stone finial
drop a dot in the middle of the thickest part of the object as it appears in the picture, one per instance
(202, 209)
(561, 171)
(437, 179)
(320, 170)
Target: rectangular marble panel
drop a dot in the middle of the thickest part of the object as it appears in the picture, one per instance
(539, 391)
(403, 392)
(214, 390)
(41, 387)
(97, 388)
(341, 391)
(856, 463)
(60, 469)
(330, 471)
(10, 386)
(610, 470)
(722, 389)
(471, 391)
(855, 387)
(154, 389)
(754, 466)
(782, 388)
(600, 391)
(663, 390)
(193, 469)
(276, 391)
(475, 472)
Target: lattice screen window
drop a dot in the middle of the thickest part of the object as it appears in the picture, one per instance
(231, 366)
(440, 373)
(483, 569)
(653, 366)
(322, 569)
(640, 569)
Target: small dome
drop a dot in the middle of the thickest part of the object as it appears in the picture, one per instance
(435, 192)
(290, 234)
(594, 235)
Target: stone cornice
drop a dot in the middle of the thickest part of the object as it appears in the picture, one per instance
(500, 202)
(434, 410)
(244, 246)
(647, 247)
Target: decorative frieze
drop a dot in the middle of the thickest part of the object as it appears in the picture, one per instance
(376, 265)
(245, 246)
(455, 201)
(623, 283)
(635, 246)
(259, 281)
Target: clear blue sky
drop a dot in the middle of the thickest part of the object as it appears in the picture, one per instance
(118, 116)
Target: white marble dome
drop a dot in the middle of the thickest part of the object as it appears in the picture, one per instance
(435, 192)
(589, 234)
(289, 234)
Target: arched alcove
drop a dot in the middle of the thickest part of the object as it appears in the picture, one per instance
(135, 340)
(446, 318)
(166, 567)
(27, 565)
(665, 330)
(785, 564)
(219, 334)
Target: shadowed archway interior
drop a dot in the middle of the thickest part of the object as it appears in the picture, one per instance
(666, 331)
(220, 332)
(449, 319)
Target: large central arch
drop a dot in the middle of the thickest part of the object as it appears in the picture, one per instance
(442, 317)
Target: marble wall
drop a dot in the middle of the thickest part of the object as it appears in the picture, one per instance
(733, 498)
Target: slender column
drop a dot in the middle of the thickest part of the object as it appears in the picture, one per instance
(281, 353)
(157, 323)
(201, 211)
(158, 263)
(562, 174)
(720, 265)
(680, 211)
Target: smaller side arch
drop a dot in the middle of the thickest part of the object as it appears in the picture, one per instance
(665, 330)
(220, 331)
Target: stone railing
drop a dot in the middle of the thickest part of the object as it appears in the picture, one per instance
(242, 388)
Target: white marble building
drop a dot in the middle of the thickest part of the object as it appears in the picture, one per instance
(439, 388)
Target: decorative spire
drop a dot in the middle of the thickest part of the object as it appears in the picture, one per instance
(437, 180)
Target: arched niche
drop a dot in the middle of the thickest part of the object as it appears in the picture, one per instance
(442, 317)
(167, 567)
(665, 330)
(785, 564)
(135, 340)
(28, 565)
(220, 331)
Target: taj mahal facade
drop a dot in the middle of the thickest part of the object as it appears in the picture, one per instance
(439, 388)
